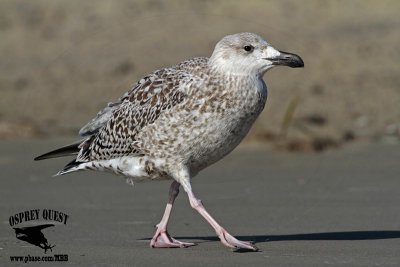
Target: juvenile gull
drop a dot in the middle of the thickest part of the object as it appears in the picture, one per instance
(177, 121)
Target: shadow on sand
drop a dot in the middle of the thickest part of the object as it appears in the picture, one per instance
(350, 235)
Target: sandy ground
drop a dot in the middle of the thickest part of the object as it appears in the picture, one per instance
(62, 61)
(337, 208)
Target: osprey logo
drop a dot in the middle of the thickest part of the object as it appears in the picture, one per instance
(28, 225)
(34, 236)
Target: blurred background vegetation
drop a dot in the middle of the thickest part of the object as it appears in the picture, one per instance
(62, 61)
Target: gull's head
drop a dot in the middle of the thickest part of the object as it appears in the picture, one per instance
(249, 54)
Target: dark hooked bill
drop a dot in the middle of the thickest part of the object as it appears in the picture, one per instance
(287, 59)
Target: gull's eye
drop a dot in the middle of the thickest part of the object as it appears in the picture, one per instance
(248, 48)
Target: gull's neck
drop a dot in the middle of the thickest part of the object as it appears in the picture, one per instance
(220, 67)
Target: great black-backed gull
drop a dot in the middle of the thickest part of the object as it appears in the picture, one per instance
(176, 121)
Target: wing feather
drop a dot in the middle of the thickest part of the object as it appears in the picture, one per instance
(101, 118)
(114, 129)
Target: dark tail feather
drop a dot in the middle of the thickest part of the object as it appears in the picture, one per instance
(69, 150)
(69, 167)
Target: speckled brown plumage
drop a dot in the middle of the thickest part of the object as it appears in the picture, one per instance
(177, 121)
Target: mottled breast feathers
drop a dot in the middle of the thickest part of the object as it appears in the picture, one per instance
(112, 132)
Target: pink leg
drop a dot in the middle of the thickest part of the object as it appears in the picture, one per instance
(161, 238)
(226, 239)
